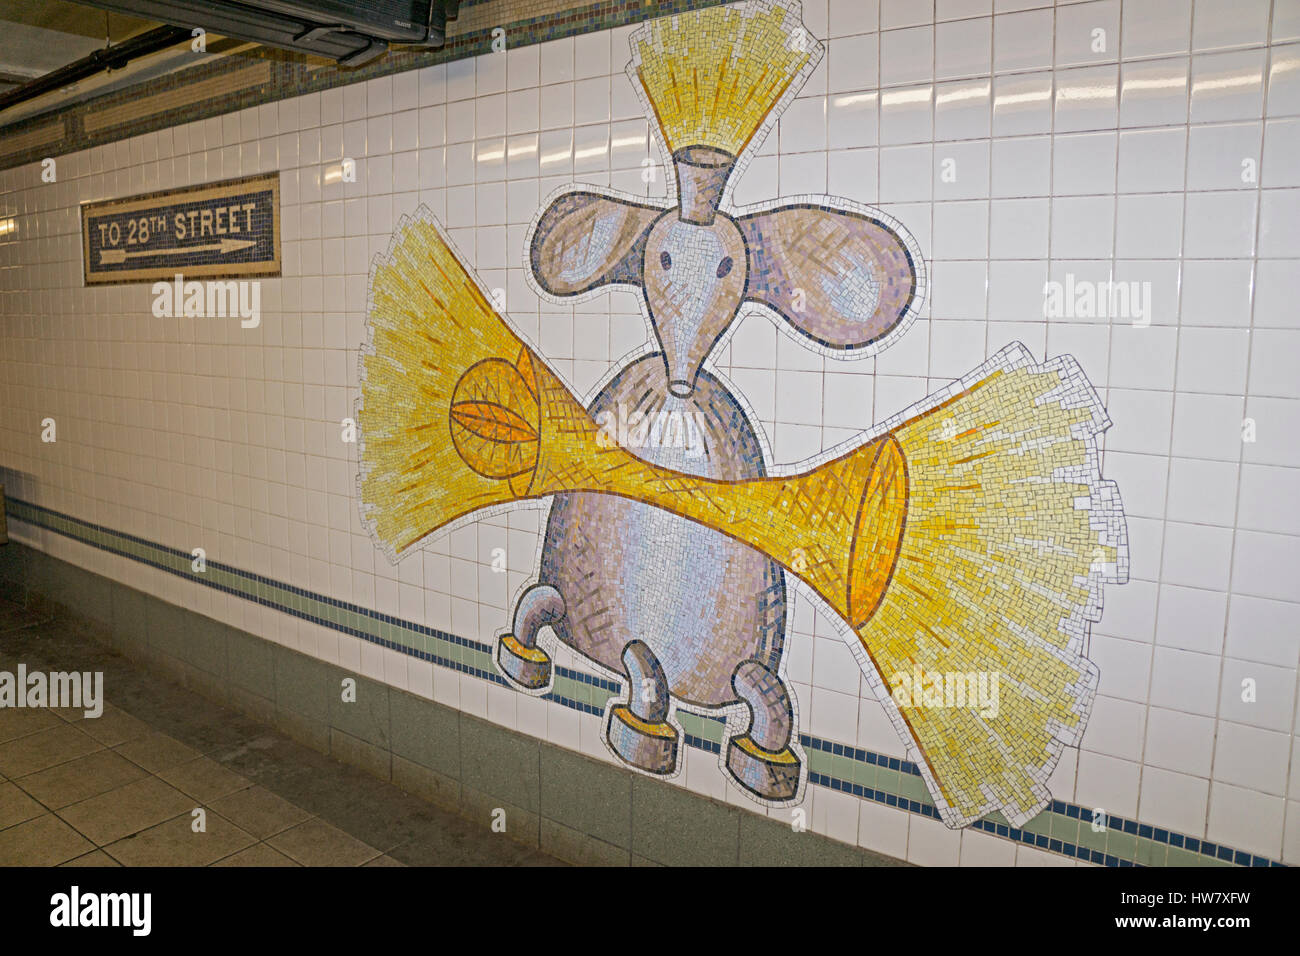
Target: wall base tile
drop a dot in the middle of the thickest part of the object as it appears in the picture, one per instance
(583, 795)
(500, 762)
(13, 572)
(376, 761)
(302, 685)
(765, 842)
(365, 714)
(430, 785)
(426, 734)
(205, 646)
(250, 664)
(254, 705)
(574, 846)
(678, 828)
(130, 635)
(209, 685)
(310, 733)
(482, 809)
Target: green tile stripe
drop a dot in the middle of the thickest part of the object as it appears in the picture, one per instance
(1062, 828)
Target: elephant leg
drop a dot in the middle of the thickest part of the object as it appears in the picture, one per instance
(761, 760)
(518, 655)
(638, 730)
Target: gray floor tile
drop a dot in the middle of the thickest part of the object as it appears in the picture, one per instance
(42, 841)
(317, 843)
(175, 843)
(126, 810)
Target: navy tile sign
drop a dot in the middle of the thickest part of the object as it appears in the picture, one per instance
(228, 229)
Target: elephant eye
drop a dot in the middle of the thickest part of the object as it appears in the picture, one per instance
(665, 260)
(724, 266)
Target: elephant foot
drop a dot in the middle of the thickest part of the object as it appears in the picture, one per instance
(639, 731)
(529, 667)
(772, 775)
(761, 759)
(652, 747)
(518, 657)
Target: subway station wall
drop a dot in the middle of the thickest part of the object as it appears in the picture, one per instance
(1112, 182)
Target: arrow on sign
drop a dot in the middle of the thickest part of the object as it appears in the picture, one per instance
(114, 257)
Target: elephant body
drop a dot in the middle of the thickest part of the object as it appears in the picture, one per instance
(701, 600)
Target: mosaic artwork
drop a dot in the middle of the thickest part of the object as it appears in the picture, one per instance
(963, 543)
(229, 229)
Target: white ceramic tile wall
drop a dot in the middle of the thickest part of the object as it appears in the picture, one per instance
(1112, 155)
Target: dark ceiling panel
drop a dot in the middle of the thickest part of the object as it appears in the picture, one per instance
(72, 18)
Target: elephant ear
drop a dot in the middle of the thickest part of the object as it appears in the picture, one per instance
(585, 240)
(842, 278)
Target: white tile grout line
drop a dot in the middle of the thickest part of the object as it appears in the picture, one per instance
(1241, 453)
(1169, 464)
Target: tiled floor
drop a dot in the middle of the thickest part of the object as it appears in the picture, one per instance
(127, 788)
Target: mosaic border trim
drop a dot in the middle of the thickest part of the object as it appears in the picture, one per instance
(167, 199)
(291, 75)
(1062, 828)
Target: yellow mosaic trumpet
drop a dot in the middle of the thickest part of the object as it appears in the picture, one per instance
(970, 534)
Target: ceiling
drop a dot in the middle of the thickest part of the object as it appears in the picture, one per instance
(39, 37)
(36, 38)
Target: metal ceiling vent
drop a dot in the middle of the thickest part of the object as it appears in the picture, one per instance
(349, 32)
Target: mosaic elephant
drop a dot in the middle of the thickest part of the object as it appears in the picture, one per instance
(678, 610)
(964, 541)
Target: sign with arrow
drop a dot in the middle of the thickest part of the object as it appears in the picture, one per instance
(228, 229)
